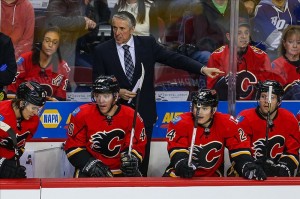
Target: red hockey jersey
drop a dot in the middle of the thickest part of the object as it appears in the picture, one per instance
(224, 132)
(286, 70)
(105, 137)
(284, 137)
(254, 65)
(54, 82)
(23, 134)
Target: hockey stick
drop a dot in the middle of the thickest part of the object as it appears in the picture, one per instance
(139, 87)
(12, 134)
(268, 121)
(193, 136)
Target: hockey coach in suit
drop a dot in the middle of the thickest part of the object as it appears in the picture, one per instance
(144, 50)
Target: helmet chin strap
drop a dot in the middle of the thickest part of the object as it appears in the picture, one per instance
(111, 106)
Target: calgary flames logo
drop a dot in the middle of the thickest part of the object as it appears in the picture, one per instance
(208, 155)
(245, 82)
(275, 147)
(108, 143)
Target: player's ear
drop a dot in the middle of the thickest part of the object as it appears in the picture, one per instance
(116, 96)
(214, 110)
(22, 104)
(228, 36)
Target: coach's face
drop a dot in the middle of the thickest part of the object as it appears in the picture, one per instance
(122, 30)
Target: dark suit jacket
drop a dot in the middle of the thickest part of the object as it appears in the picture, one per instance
(7, 56)
(148, 52)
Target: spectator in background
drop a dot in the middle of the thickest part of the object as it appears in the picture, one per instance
(145, 13)
(19, 122)
(110, 60)
(69, 16)
(8, 66)
(173, 13)
(98, 11)
(101, 149)
(211, 21)
(253, 64)
(250, 6)
(17, 22)
(210, 25)
(288, 64)
(279, 155)
(214, 132)
(44, 65)
(271, 18)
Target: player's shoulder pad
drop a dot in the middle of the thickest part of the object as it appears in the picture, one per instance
(76, 111)
(233, 119)
(219, 50)
(176, 119)
(1, 117)
(257, 50)
(240, 118)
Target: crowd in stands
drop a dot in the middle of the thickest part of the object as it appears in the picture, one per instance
(195, 28)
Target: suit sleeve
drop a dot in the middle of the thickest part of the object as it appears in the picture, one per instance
(20, 75)
(7, 76)
(174, 59)
(98, 66)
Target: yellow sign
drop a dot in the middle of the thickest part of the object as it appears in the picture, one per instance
(50, 118)
(169, 116)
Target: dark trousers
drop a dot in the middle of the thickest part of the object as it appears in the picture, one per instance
(145, 163)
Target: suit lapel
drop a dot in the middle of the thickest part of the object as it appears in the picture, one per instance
(137, 68)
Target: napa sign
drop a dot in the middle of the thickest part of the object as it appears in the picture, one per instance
(50, 118)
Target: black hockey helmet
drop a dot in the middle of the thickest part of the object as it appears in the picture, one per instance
(277, 89)
(32, 92)
(106, 84)
(205, 97)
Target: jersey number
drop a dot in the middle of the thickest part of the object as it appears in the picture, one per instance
(243, 137)
(171, 135)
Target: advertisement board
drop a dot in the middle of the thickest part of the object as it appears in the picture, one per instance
(56, 115)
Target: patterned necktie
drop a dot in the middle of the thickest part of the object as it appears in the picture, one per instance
(129, 67)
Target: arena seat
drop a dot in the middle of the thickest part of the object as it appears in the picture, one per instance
(83, 75)
(80, 78)
(188, 30)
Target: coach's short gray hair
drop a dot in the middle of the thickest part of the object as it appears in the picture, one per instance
(126, 16)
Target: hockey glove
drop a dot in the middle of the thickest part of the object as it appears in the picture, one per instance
(183, 170)
(197, 156)
(95, 168)
(9, 169)
(280, 169)
(130, 165)
(250, 170)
